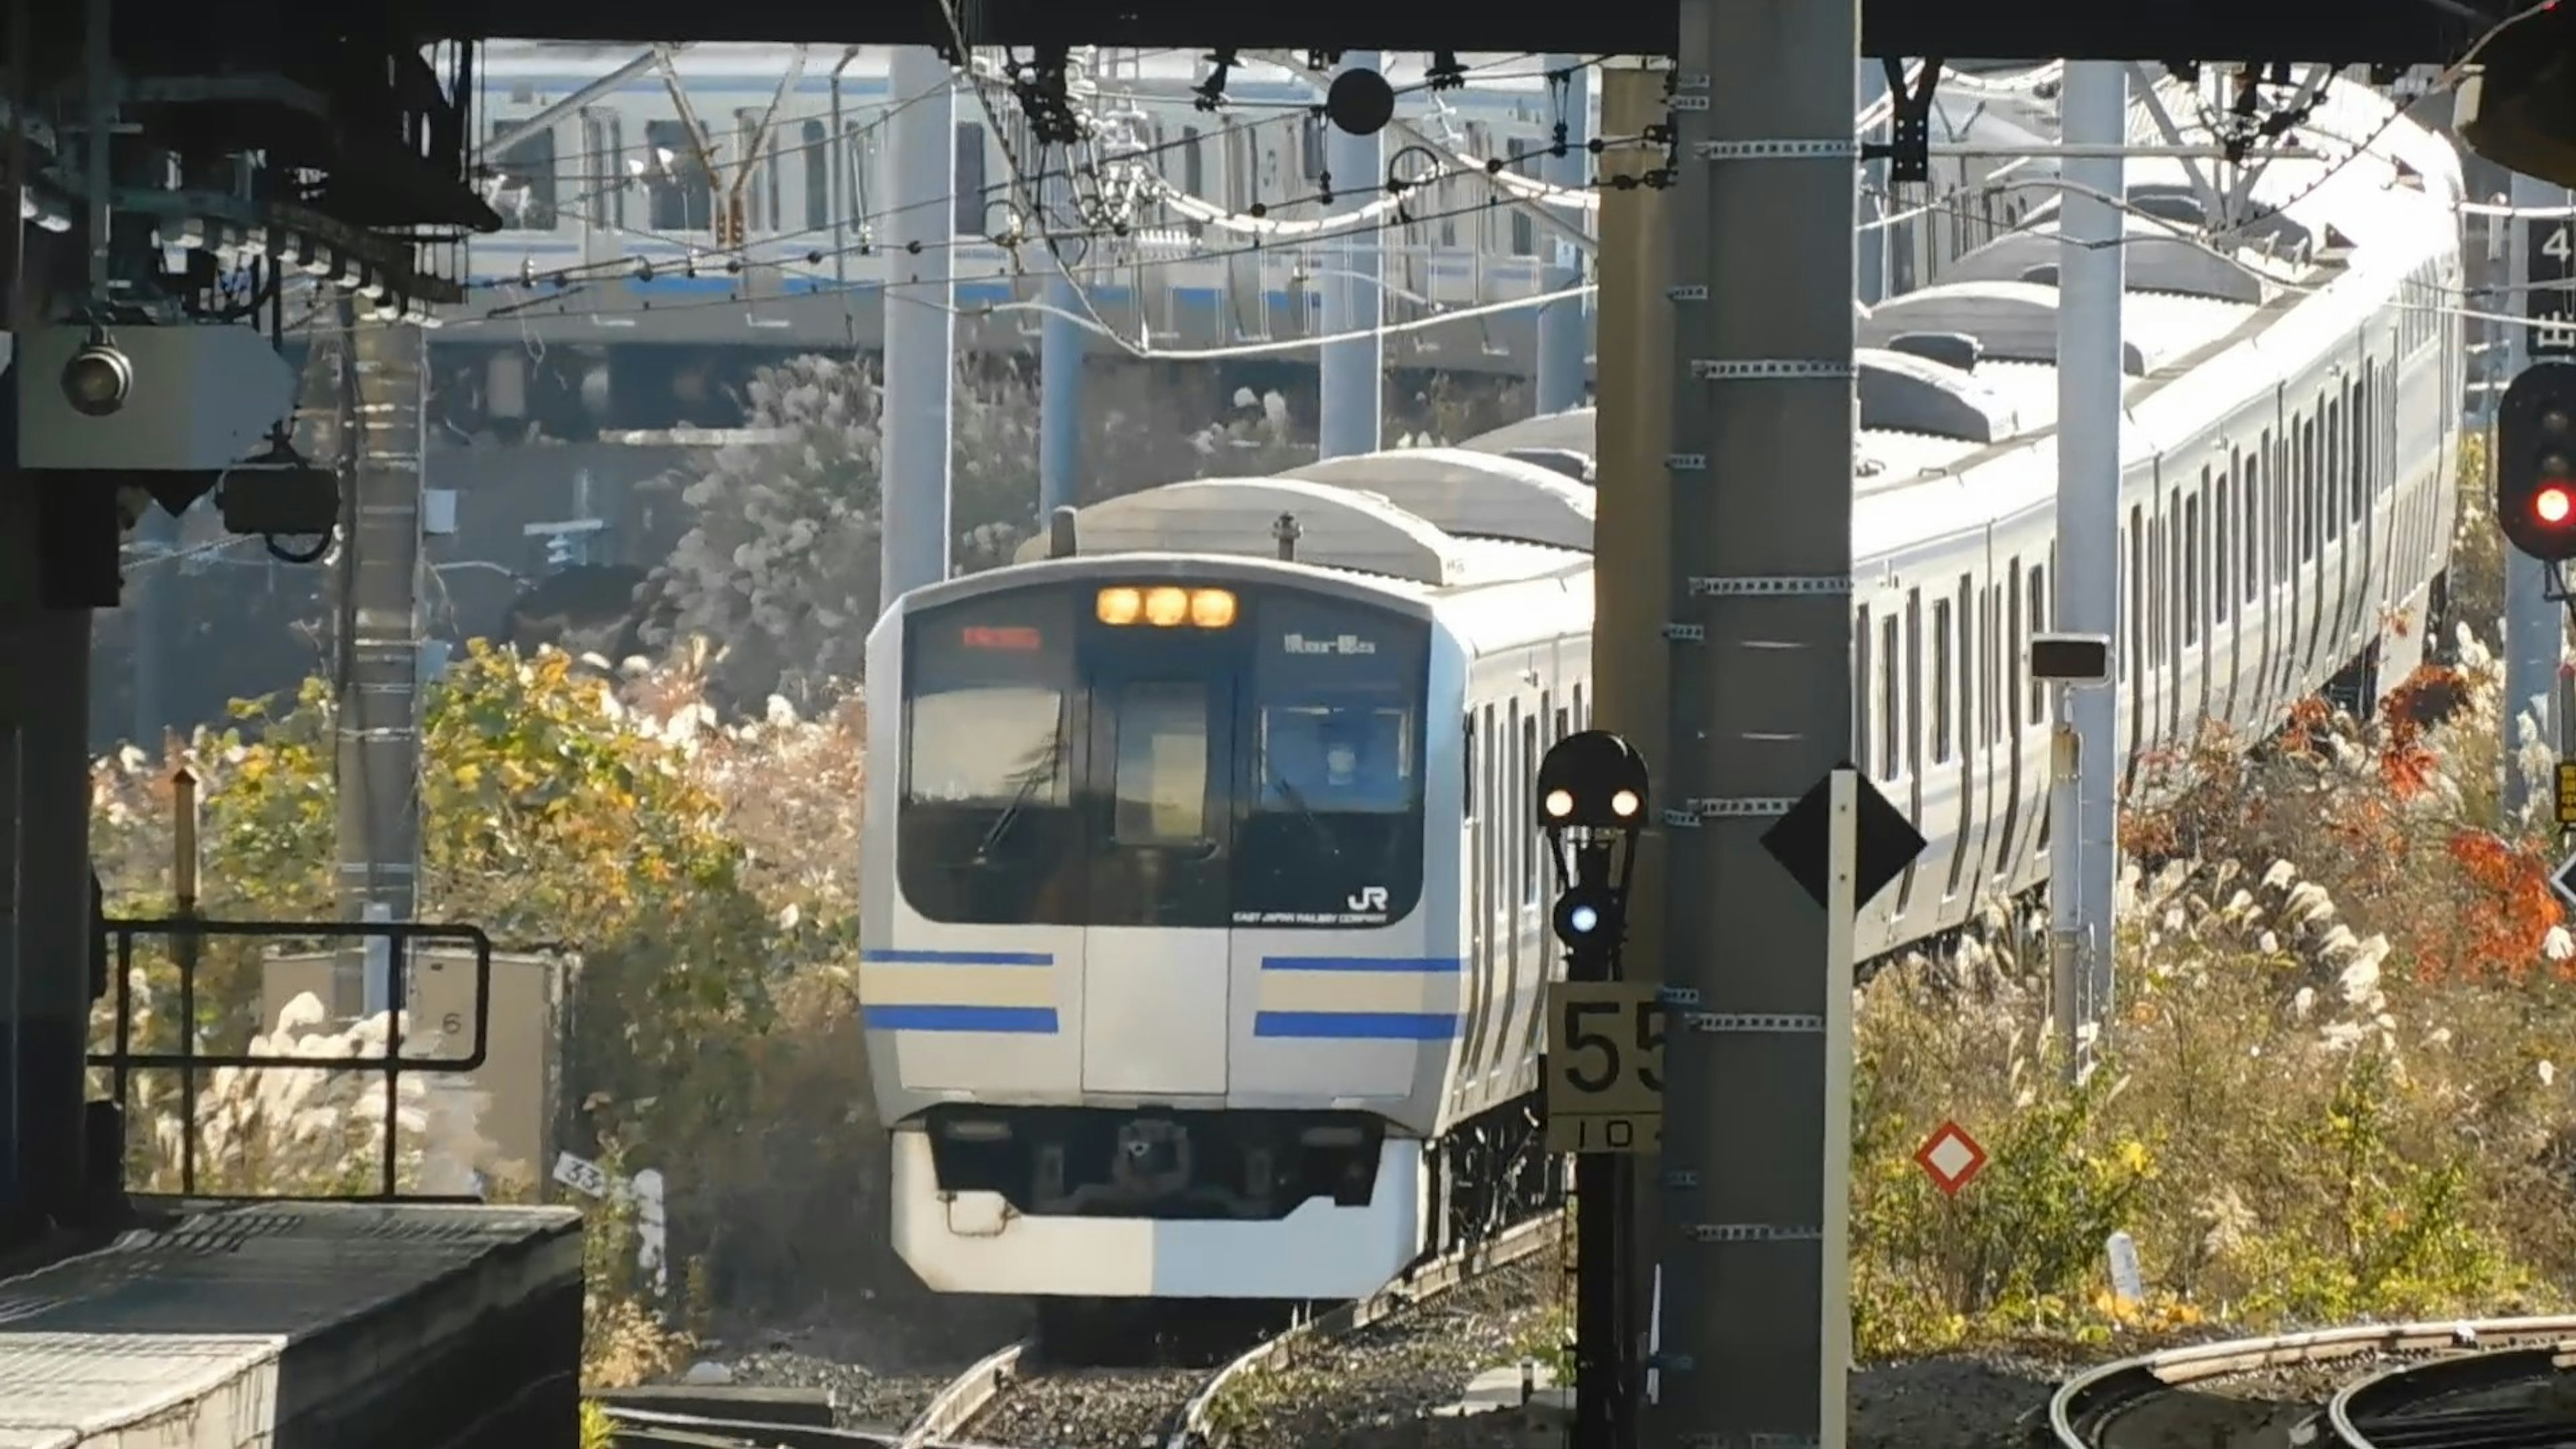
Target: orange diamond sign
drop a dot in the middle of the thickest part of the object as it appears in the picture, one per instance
(1950, 1157)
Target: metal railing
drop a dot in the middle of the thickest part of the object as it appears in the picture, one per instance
(187, 933)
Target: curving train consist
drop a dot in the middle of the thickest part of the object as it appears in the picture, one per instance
(1204, 925)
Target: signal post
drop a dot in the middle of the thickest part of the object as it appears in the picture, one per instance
(1604, 1056)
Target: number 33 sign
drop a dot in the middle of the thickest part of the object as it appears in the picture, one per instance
(1605, 1067)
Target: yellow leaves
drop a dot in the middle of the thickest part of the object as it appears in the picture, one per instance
(466, 773)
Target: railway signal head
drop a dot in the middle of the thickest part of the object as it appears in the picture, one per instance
(2535, 463)
(1591, 793)
(1591, 781)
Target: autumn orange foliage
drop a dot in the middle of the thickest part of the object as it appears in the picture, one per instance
(2456, 900)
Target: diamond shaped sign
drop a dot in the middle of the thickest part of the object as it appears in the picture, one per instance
(2563, 880)
(1886, 842)
(1951, 1158)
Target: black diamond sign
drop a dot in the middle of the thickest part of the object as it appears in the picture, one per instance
(2563, 880)
(1887, 841)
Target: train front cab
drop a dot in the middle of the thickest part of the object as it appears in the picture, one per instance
(1150, 989)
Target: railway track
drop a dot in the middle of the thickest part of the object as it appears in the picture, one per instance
(2499, 1383)
(1014, 1397)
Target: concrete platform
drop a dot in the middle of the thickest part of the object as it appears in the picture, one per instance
(302, 1325)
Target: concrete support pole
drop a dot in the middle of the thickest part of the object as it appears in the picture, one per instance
(920, 323)
(2083, 842)
(2534, 628)
(1352, 406)
(1562, 342)
(1760, 537)
(1631, 553)
(1061, 343)
(1871, 204)
(377, 763)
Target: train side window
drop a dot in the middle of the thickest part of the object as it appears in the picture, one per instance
(1865, 678)
(1989, 675)
(2329, 486)
(1582, 716)
(1529, 783)
(1889, 767)
(2136, 590)
(603, 136)
(2159, 588)
(818, 175)
(1940, 680)
(1560, 724)
(1193, 163)
(2249, 521)
(681, 195)
(1467, 758)
(2222, 583)
(2363, 439)
(1310, 146)
(760, 187)
(527, 175)
(969, 188)
(2038, 622)
(2191, 555)
(1914, 682)
(2013, 647)
(2309, 493)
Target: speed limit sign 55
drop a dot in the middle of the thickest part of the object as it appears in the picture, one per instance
(1605, 1067)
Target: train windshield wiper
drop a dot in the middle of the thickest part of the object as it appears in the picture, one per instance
(1038, 772)
(1296, 799)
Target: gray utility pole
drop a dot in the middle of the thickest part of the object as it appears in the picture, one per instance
(1561, 339)
(920, 322)
(1060, 350)
(377, 762)
(2534, 629)
(1353, 405)
(2083, 843)
(1755, 1340)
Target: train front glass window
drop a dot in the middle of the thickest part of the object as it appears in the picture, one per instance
(990, 761)
(1333, 834)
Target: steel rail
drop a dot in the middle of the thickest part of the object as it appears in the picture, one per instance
(2099, 1395)
(2383, 1397)
(966, 1397)
(1196, 1429)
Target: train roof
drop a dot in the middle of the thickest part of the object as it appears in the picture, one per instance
(1944, 373)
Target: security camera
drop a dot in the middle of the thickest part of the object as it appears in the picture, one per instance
(98, 378)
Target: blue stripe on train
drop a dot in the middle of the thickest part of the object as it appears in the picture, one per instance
(902, 956)
(1448, 964)
(1023, 1020)
(1357, 1025)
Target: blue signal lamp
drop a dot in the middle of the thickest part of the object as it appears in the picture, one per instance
(1587, 917)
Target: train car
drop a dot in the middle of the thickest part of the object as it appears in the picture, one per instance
(1203, 931)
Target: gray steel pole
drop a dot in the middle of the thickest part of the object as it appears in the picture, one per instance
(377, 762)
(2534, 629)
(2083, 847)
(1352, 405)
(1562, 325)
(1871, 181)
(1632, 553)
(1060, 348)
(920, 323)
(1763, 420)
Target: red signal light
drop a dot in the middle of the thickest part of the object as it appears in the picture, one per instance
(2553, 504)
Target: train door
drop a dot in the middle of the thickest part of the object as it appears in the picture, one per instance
(1156, 995)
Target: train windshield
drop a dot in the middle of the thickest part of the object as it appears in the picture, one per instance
(1064, 769)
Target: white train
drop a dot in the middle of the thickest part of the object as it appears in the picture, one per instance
(1205, 926)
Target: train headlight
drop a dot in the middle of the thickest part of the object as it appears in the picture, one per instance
(1120, 606)
(1165, 608)
(1211, 608)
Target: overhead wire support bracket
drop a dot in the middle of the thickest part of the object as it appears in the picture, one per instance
(1781, 150)
(1908, 148)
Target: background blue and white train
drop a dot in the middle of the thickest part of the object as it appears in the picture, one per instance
(1205, 928)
